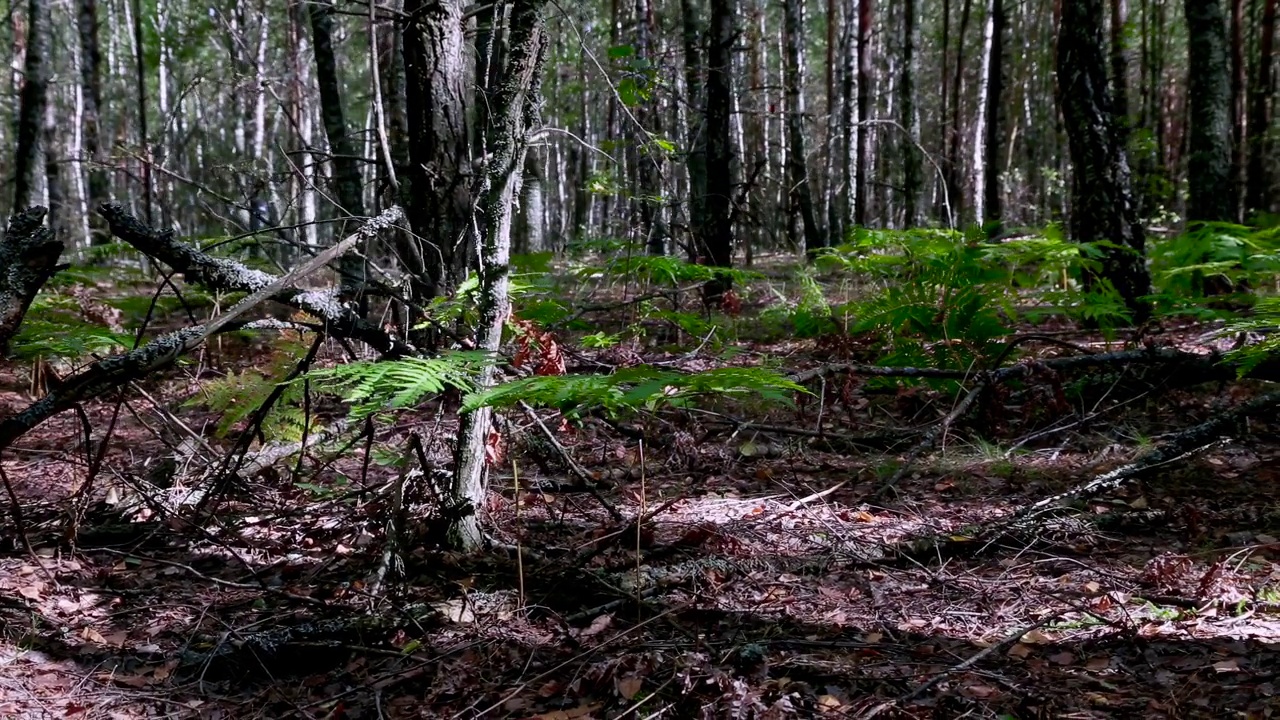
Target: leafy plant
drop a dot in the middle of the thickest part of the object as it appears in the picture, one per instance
(639, 388)
(371, 387)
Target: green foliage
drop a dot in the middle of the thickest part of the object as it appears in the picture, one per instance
(638, 388)
(943, 298)
(239, 395)
(664, 270)
(1266, 319)
(1235, 253)
(372, 387)
(55, 327)
(807, 317)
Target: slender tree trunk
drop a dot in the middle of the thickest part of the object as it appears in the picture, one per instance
(1209, 96)
(1237, 45)
(1258, 182)
(980, 132)
(798, 167)
(343, 156)
(990, 189)
(648, 158)
(436, 195)
(512, 109)
(911, 180)
(695, 132)
(848, 73)
(1102, 206)
(717, 226)
(1120, 65)
(955, 131)
(864, 111)
(98, 186)
(32, 99)
(144, 139)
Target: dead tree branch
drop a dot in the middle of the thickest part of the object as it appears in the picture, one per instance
(222, 274)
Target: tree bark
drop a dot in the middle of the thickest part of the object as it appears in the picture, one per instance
(33, 96)
(986, 129)
(911, 178)
(954, 129)
(864, 112)
(513, 107)
(695, 120)
(991, 188)
(1210, 195)
(436, 196)
(98, 187)
(1102, 205)
(343, 157)
(28, 258)
(1258, 182)
(716, 235)
(798, 165)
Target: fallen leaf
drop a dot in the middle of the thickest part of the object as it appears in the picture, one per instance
(628, 686)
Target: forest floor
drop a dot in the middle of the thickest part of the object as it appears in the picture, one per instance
(767, 580)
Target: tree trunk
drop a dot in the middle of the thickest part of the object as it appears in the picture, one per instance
(848, 73)
(33, 96)
(990, 189)
(980, 130)
(911, 180)
(798, 165)
(144, 138)
(1210, 195)
(1258, 182)
(864, 112)
(954, 130)
(648, 158)
(98, 188)
(436, 195)
(349, 189)
(1102, 205)
(1120, 65)
(1237, 107)
(695, 119)
(717, 228)
(513, 106)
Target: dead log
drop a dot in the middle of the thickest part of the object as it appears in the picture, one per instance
(28, 258)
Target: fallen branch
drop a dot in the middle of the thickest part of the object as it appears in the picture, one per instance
(118, 370)
(1183, 445)
(228, 275)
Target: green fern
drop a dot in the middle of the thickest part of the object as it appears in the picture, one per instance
(1266, 319)
(53, 327)
(372, 387)
(631, 389)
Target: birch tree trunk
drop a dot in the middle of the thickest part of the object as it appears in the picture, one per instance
(514, 106)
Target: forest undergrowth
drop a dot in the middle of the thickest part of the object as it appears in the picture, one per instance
(867, 545)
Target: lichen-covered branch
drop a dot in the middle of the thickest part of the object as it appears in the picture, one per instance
(28, 258)
(228, 275)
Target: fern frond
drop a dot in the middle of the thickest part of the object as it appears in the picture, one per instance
(371, 387)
